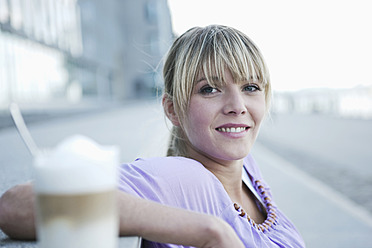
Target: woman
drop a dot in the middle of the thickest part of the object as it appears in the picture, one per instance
(217, 92)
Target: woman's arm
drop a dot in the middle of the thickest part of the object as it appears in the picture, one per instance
(164, 224)
(139, 217)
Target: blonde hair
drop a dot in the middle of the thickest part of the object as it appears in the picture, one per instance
(209, 50)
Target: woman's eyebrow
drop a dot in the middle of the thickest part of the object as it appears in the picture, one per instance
(200, 79)
(214, 78)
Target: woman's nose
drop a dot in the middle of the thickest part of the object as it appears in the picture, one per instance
(235, 104)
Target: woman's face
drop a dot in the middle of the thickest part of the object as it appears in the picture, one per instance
(222, 123)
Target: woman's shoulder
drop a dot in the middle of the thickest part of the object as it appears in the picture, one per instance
(170, 171)
(175, 181)
(169, 166)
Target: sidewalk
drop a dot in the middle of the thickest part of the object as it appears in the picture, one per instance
(39, 112)
(323, 216)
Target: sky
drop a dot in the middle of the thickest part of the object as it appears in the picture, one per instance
(306, 44)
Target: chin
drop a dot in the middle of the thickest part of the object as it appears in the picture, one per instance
(235, 156)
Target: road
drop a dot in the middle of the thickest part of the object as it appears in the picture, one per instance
(139, 129)
(337, 151)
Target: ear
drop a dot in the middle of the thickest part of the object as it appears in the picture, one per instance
(169, 110)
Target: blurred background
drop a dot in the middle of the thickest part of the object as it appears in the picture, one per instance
(65, 61)
(73, 52)
(70, 51)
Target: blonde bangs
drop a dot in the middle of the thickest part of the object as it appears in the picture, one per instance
(231, 50)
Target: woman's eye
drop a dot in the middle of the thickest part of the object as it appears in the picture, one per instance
(251, 88)
(208, 90)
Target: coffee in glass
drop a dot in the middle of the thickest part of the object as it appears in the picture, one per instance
(75, 187)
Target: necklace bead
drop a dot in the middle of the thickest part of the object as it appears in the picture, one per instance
(271, 215)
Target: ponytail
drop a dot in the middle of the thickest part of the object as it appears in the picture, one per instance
(177, 144)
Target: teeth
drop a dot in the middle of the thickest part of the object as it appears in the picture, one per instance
(232, 129)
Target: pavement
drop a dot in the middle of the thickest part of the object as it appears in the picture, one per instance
(324, 217)
(333, 149)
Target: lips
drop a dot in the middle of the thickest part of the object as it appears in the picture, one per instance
(232, 128)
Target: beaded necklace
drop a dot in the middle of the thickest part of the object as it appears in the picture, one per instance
(271, 218)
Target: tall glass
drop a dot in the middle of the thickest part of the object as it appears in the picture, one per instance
(75, 187)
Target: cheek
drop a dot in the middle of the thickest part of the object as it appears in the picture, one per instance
(196, 118)
(258, 110)
(199, 119)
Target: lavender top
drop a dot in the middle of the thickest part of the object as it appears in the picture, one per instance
(185, 183)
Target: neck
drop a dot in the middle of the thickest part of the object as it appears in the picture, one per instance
(229, 173)
(231, 179)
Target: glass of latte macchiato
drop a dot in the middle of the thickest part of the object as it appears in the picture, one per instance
(75, 187)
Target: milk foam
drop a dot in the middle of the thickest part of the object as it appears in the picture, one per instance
(77, 165)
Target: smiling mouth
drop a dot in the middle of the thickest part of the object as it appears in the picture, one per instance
(232, 129)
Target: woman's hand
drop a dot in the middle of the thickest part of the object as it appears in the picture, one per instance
(222, 237)
(226, 237)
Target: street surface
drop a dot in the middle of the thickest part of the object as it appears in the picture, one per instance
(337, 151)
(133, 128)
(307, 160)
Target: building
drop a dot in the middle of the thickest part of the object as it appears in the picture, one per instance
(127, 41)
(346, 103)
(71, 51)
(35, 39)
